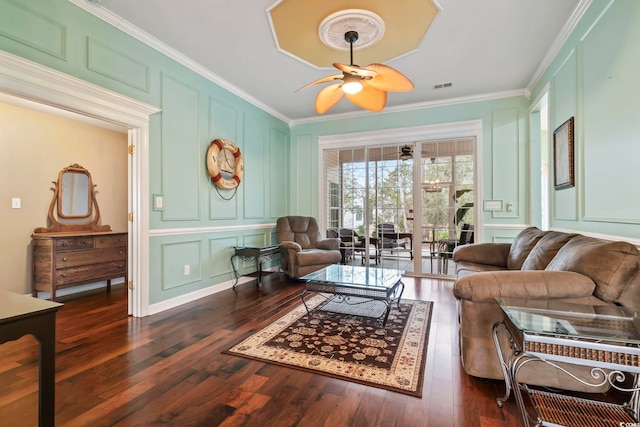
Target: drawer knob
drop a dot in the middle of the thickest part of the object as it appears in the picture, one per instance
(120, 252)
(64, 259)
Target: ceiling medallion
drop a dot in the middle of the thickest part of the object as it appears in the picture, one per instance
(370, 28)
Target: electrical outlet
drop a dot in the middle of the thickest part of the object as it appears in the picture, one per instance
(509, 207)
(187, 270)
(15, 203)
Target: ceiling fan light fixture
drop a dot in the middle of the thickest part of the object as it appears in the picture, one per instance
(351, 85)
(406, 153)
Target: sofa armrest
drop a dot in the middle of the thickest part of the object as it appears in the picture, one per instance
(530, 284)
(289, 244)
(329, 244)
(483, 253)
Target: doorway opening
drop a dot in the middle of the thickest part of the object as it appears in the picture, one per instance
(31, 81)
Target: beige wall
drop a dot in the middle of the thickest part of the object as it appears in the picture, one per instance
(34, 148)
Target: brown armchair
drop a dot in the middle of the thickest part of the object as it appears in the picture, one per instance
(303, 249)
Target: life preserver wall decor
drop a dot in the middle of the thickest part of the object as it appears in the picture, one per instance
(225, 164)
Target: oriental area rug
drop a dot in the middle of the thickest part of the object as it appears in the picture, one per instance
(348, 347)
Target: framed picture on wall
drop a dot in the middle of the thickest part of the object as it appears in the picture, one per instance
(563, 173)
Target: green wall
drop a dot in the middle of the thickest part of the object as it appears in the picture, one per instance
(594, 79)
(196, 227)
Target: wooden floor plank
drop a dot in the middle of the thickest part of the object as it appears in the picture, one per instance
(169, 369)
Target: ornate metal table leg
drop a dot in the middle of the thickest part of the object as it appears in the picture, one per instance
(503, 365)
(235, 272)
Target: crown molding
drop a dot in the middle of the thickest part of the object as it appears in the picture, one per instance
(146, 38)
(412, 107)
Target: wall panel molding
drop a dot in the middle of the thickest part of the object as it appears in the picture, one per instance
(225, 121)
(180, 148)
(111, 63)
(50, 36)
(174, 257)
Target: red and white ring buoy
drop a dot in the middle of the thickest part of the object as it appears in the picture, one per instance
(225, 164)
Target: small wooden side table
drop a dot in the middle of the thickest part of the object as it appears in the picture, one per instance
(22, 315)
(258, 253)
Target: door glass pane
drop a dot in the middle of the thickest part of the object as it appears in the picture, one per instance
(448, 182)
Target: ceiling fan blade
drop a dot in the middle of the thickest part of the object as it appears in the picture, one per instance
(389, 79)
(355, 70)
(322, 80)
(328, 97)
(369, 97)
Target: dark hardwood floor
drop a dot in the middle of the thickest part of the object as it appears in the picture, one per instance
(168, 370)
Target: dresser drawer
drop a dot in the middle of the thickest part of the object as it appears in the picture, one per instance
(95, 256)
(74, 243)
(110, 241)
(90, 273)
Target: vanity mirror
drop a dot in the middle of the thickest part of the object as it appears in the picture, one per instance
(75, 198)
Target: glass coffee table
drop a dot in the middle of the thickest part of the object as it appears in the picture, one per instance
(604, 338)
(355, 290)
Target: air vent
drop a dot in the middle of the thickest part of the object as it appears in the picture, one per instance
(442, 85)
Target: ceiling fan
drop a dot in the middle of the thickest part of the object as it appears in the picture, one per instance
(366, 87)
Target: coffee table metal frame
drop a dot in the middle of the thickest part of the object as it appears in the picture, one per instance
(609, 358)
(355, 289)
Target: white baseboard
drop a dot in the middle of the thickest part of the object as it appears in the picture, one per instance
(200, 293)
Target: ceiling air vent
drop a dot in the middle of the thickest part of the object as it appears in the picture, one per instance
(442, 85)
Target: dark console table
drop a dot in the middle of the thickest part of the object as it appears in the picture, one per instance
(258, 253)
(22, 315)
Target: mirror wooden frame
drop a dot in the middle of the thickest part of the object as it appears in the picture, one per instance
(93, 214)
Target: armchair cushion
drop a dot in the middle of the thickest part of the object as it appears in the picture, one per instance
(329, 244)
(303, 249)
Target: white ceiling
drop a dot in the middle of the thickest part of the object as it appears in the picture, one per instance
(486, 48)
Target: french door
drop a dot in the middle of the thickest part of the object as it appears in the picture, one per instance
(404, 205)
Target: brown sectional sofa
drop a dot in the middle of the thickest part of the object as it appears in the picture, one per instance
(538, 265)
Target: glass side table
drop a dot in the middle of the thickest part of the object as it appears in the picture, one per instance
(260, 254)
(604, 338)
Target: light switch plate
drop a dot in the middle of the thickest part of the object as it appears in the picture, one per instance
(158, 202)
(15, 203)
(492, 205)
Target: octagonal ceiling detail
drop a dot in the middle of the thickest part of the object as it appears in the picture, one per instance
(295, 23)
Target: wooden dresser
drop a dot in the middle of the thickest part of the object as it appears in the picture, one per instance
(62, 260)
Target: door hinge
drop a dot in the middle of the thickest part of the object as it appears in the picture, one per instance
(130, 285)
(130, 216)
(131, 149)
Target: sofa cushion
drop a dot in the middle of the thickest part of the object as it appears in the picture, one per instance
(546, 249)
(611, 265)
(630, 296)
(522, 246)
